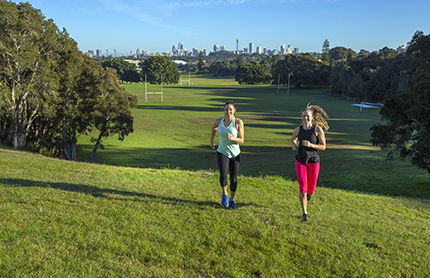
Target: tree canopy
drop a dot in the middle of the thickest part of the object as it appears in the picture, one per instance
(50, 92)
(304, 70)
(160, 69)
(406, 114)
(252, 74)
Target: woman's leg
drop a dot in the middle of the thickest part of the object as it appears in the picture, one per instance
(234, 170)
(223, 163)
(313, 172)
(302, 179)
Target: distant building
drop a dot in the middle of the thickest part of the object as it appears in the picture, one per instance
(99, 53)
(138, 53)
(283, 50)
(196, 51)
(296, 50)
(251, 48)
(216, 48)
(222, 48)
(259, 51)
(290, 49)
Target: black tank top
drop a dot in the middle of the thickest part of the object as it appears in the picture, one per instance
(305, 154)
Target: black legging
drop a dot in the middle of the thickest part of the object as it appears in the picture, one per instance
(225, 163)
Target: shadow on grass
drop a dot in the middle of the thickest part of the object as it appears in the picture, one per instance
(112, 193)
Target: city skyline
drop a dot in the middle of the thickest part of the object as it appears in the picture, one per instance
(154, 26)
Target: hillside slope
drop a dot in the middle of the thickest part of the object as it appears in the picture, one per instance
(65, 219)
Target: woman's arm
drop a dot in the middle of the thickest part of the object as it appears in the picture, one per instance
(294, 138)
(240, 132)
(213, 132)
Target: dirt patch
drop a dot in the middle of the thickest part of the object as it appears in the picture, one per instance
(164, 96)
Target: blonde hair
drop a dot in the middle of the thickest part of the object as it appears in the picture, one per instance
(318, 115)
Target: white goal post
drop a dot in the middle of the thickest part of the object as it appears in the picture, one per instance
(154, 93)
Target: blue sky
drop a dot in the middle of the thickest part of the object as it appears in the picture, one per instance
(156, 25)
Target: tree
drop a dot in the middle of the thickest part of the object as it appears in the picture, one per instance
(406, 131)
(303, 70)
(201, 63)
(127, 71)
(156, 66)
(342, 53)
(27, 46)
(112, 110)
(325, 51)
(252, 74)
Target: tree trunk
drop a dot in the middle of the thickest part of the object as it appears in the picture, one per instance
(93, 153)
(69, 147)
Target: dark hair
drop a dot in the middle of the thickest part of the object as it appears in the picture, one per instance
(230, 102)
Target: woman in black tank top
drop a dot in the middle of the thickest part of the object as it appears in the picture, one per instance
(309, 139)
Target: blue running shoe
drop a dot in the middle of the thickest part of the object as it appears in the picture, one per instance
(231, 204)
(224, 201)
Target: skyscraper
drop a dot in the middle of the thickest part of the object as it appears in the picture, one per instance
(290, 49)
(216, 48)
(251, 48)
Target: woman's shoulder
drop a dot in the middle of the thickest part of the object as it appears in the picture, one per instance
(238, 120)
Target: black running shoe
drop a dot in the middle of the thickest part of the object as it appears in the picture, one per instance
(308, 196)
(305, 217)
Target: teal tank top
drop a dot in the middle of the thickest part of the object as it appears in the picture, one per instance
(227, 147)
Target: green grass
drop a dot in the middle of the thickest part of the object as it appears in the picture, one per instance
(64, 219)
(150, 206)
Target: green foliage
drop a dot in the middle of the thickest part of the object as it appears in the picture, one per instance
(50, 92)
(222, 68)
(252, 74)
(382, 73)
(304, 70)
(126, 71)
(159, 69)
(407, 113)
(325, 51)
(342, 53)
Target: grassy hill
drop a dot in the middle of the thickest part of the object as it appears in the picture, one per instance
(64, 219)
(150, 205)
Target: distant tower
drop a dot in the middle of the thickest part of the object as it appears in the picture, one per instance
(251, 47)
(237, 45)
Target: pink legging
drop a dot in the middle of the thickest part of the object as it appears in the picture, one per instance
(307, 176)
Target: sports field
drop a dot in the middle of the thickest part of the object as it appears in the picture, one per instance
(175, 134)
(151, 206)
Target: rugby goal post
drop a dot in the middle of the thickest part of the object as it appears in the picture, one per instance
(283, 87)
(367, 105)
(154, 93)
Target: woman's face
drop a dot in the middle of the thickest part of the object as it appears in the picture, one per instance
(229, 110)
(307, 117)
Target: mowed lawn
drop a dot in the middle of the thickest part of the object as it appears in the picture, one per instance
(150, 205)
(175, 134)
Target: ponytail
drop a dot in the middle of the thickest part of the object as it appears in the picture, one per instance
(318, 115)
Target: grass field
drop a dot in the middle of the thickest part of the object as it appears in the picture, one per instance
(150, 206)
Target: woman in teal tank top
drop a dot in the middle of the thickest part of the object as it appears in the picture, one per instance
(231, 134)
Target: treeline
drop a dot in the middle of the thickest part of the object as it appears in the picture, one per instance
(50, 93)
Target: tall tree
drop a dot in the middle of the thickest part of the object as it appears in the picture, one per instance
(112, 110)
(201, 63)
(325, 51)
(160, 69)
(406, 115)
(27, 47)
